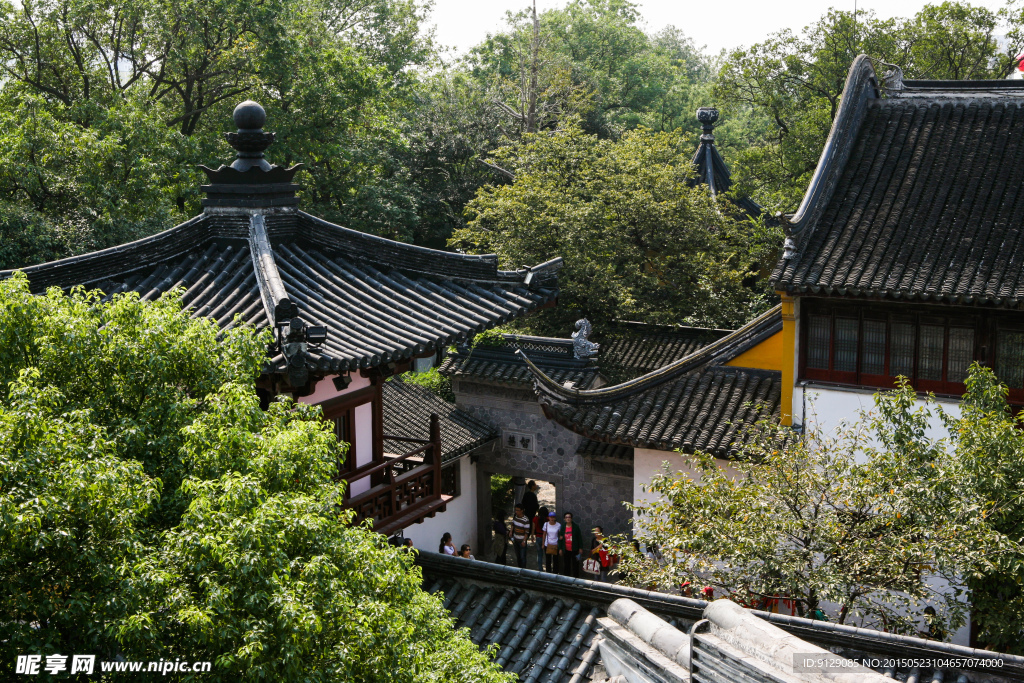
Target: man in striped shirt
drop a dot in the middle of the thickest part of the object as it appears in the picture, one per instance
(520, 532)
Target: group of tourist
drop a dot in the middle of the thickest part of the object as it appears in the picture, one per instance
(447, 547)
(558, 544)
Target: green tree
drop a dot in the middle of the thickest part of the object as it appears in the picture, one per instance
(792, 83)
(874, 517)
(987, 468)
(150, 509)
(591, 60)
(108, 108)
(639, 242)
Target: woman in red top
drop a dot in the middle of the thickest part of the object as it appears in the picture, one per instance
(538, 535)
(598, 548)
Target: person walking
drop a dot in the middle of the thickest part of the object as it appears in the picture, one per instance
(499, 546)
(552, 530)
(530, 502)
(446, 546)
(538, 535)
(520, 535)
(599, 550)
(570, 540)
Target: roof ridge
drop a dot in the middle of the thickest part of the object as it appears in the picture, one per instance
(118, 250)
(754, 331)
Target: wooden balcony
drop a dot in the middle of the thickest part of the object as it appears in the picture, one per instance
(405, 489)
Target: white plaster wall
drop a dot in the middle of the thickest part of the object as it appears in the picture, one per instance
(823, 408)
(647, 462)
(458, 519)
(325, 390)
(364, 444)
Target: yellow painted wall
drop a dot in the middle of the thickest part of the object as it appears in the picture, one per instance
(765, 356)
(789, 354)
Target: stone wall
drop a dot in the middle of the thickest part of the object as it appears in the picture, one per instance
(593, 491)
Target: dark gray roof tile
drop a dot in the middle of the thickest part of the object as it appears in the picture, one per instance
(500, 365)
(407, 410)
(545, 626)
(381, 301)
(630, 350)
(926, 206)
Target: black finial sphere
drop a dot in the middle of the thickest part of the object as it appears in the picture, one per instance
(707, 115)
(249, 116)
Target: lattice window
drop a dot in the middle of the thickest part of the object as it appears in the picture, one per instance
(865, 345)
(873, 360)
(846, 345)
(929, 356)
(341, 426)
(1010, 359)
(961, 353)
(819, 340)
(901, 351)
(451, 481)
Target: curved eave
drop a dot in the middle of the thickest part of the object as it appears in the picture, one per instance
(1009, 302)
(720, 351)
(710, 411)
(122, 260)
(861, 85)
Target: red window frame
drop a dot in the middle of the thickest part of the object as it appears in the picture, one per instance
(890, 315)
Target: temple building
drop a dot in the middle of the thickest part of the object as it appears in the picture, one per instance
(348, 310)
(904, 259)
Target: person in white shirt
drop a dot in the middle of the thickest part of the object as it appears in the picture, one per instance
(551, 529)
(447, 547)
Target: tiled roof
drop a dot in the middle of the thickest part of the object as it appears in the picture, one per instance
(632, 349)
(381, 301)
(921, 197)
(545, 625)
(407, 410)
(695, 403)
(500, 364)
(599, 450)
(708, 410)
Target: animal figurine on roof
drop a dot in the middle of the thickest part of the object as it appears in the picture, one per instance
(581, 347)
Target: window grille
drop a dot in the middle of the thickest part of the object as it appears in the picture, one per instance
(929, 364)
(818, 341)
(873, 362)
(1010, 359)
(961, 353)
(901, 352)
(846, 345)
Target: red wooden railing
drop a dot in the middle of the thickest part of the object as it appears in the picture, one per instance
(403, 487)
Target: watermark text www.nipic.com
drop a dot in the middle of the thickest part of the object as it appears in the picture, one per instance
(33, 665)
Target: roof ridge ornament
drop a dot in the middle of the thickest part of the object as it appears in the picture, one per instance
(708, 117)
(250, 182)
(250, 140)
(583, 348)
(892, 80)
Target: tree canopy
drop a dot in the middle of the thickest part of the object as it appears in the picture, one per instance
(790, 84)
(150, 509)
(872, 521)
(639, 241)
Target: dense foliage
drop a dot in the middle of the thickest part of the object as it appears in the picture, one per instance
(150, 509)
(639, 242)
(790, 84)
(876, 519)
